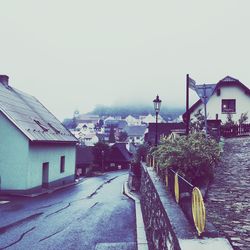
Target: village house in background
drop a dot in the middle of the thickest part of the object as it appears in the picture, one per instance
(136, 134)
(85, 133)
(164, 130)
(119, 157)
(229, 97)
(84, 160)
(150, 119)
(36, 150)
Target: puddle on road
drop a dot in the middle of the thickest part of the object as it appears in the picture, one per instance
(4, 202)
(14, 208)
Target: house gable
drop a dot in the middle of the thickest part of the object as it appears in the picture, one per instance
(31, 117)
(228, 88)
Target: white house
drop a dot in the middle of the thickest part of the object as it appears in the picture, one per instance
(150, 119)
(136, 134)
(35, 149)
(229, 96)
(85, 137)
(132, 120)
(108, 119)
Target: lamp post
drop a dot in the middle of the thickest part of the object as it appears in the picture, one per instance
(102, 160)
(157, 106)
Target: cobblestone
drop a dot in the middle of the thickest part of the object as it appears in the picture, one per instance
(228, 200)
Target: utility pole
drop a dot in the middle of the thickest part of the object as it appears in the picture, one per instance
(205, 107)
(102, 160)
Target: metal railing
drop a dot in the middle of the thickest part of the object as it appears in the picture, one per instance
(185, 194)
(235, 130)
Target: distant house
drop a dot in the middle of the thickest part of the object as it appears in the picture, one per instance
(119, 156)
(85, 118)
(150, 119)
(35, 149)
(116, 125)
(136, 133)
(229, 97)
(131, 121)
(84, 159)
(85, 133)
(163, 129)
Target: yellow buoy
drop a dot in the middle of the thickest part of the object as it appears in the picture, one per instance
(166, 178)
(198, 210)
(176, 188)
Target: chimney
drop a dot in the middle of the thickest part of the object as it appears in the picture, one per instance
(4, 80)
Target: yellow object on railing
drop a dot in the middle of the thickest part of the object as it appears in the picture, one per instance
(176, 188)
(198, 210)
(166, 173)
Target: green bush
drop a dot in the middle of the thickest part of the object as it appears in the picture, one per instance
(193, 157)
(141, 153)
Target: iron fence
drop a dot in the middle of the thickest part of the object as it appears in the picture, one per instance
(185, 194)
(235, 130)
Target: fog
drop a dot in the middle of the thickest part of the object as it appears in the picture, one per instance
(76, 54)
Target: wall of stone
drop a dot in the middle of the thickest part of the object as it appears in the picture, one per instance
(164, 221)
(228, 200)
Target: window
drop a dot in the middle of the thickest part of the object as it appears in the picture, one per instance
(228, 106)
(42, 126)
(54, 129)
(62, 164)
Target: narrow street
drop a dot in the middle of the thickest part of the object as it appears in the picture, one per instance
(91, 215)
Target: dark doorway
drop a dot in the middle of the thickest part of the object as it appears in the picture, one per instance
(45, 177)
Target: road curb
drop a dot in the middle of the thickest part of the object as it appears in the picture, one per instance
(142, 243)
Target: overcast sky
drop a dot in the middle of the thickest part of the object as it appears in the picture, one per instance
(75, 54)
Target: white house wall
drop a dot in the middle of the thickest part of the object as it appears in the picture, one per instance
(214, 104)
(14, 150)
(42, 153)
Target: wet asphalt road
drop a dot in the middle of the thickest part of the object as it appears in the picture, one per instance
(91, 215)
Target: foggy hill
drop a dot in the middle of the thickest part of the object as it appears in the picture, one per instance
(123, 111)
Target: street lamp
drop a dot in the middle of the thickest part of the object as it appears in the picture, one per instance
(157, 106)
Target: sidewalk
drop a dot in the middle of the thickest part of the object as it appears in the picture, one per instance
(142, 243)
(44, 190)
(49, 190)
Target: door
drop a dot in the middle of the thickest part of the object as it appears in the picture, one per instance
(45, 176)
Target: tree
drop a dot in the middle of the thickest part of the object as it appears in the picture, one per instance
(100, 123)
(198, 122)
(243, 118)
(112, 135)
(229, 121)
(101, 153)
(194, 156)
(123, 136)
(141, 152)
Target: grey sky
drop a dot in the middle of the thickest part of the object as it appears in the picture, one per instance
(75, 54)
